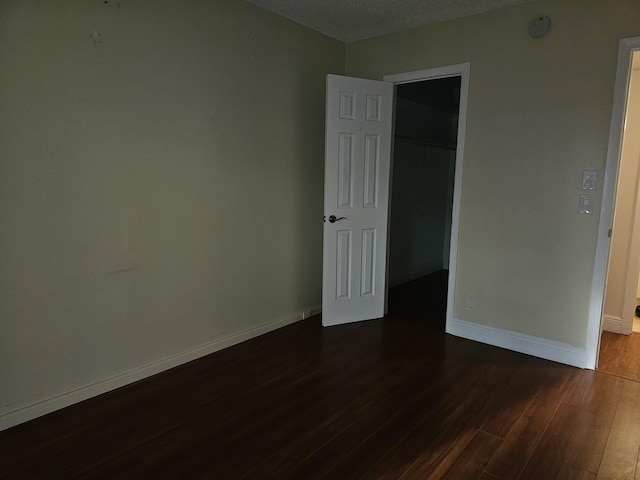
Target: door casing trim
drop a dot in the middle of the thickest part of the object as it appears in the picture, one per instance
(463, 71)
(626, 48)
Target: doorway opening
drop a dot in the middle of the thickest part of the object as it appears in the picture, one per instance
(624, 256)
(423, 171)
(358, 166)
(602, 278)
(430, 124)
(619, 346)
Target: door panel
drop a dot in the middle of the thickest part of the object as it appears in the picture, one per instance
(357, 170)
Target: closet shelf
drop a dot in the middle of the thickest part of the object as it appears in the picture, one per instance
(399, 137)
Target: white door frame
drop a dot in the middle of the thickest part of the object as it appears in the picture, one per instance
(633, 268)
(460, 70)
(596, 299)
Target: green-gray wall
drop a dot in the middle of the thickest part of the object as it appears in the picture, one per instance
(538, 115)
(160, 187)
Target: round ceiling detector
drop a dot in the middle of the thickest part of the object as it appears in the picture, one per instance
(539, 26)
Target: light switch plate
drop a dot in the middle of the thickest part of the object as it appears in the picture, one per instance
(587, 202)
(589, 179)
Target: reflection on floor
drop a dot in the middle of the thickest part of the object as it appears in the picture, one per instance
(620, 355)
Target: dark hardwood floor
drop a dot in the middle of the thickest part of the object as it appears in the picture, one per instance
(620, 355)
(385, 399)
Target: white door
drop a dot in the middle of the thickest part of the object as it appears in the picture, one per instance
(356, 198)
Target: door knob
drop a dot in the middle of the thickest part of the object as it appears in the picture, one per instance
(333, 219)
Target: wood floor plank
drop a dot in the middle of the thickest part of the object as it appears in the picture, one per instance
(619, 355)
(473, 459)
(513, 455)
(360, 349)
(571, 472)
(620, 459)
(358, 417)
(182, 396)
(463, 426)
(270, 422)
(579, 430)
(520, 397)
(361, 447)
(373, 400)
(488, 476)
(434, 442)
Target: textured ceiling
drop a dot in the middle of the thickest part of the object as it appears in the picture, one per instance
(352, 20)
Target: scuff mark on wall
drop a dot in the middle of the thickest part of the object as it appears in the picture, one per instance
(96, 37)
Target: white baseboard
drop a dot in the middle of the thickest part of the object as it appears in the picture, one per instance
(50, 405)
(612, 324)
(535, 346)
